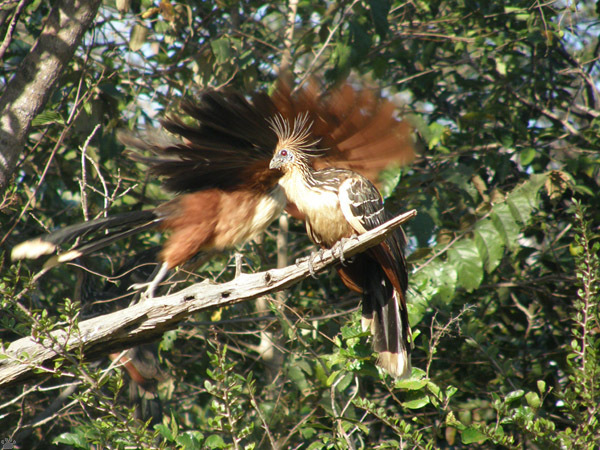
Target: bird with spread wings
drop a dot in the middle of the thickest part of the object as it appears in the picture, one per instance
(217, 159)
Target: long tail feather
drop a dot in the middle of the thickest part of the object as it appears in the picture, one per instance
(229, 143)
(384, 312)
(135, 221)
(358, 129)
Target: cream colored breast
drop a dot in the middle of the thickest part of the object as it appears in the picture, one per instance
(267, 210)
(326, 223)
(253, 216)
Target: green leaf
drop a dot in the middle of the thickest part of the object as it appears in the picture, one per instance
(298, 377)
(110, 89)
(388, 180)
(316, 445)
(345, 382)
(541, 385)
(190, 440)
(410, 385)
(164, 431)
(379, 15)
(437, 280)
(74, 439)
(331, 378)
(470, 435)
(526, 155)
(506, 225)
(361, 42)
(168, 340)
(342, 54)
(452, 421)
(489, 243)
(138, 37)
(533, 400)
(307, 432)
(215, 441)
(450, 391)
(416, 403)
(435, 134)
(509, 216)
(221, 48)
(47, 118)
(514, 395)
(465, 258)
(525, 198)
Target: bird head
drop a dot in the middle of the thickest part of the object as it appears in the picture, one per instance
(295, 144)
(283, 159)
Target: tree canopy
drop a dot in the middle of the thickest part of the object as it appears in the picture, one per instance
(503, 284)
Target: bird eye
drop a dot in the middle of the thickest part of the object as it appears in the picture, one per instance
(283, 153)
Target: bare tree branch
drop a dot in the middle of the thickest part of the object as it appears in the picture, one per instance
(28, 91)
(147, 320)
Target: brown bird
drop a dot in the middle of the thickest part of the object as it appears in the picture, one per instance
(217, 161)
(337, 204)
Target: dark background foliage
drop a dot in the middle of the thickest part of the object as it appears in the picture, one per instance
(503, 253)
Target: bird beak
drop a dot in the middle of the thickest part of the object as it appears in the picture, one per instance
(275, 163)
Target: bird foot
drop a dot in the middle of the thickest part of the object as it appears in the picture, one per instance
(339, 247)
(311, 259)
(150, 287)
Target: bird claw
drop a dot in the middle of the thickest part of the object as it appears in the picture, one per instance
(151, 286)
(339, 246)
(310, 259)
(148, 293)
(302, 260)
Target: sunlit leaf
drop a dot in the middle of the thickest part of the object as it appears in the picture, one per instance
(221, 49)
(465, 258)
(470, 435)
(416, 403)
(138, 37)
(489, 243)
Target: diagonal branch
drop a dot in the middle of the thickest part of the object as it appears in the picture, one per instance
(148, 320)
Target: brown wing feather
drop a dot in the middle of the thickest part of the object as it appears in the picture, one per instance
(358, 129)
(212, 219)
(229, 141)
(222, 152)
(227, 135)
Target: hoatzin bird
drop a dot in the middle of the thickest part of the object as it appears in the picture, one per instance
(217, 161)
(338, 204)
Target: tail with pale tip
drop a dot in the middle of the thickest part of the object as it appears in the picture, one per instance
(114, 228)
(384, 314)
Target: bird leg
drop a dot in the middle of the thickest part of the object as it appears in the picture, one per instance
(313, 257)
(158, 275)
(238, 264)
(339, 247)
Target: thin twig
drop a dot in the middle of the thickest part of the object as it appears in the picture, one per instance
(11, 28)
(324, 46)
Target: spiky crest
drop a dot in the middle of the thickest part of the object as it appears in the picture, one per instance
(296, 138)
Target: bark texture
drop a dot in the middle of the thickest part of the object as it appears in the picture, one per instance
(27, 92)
